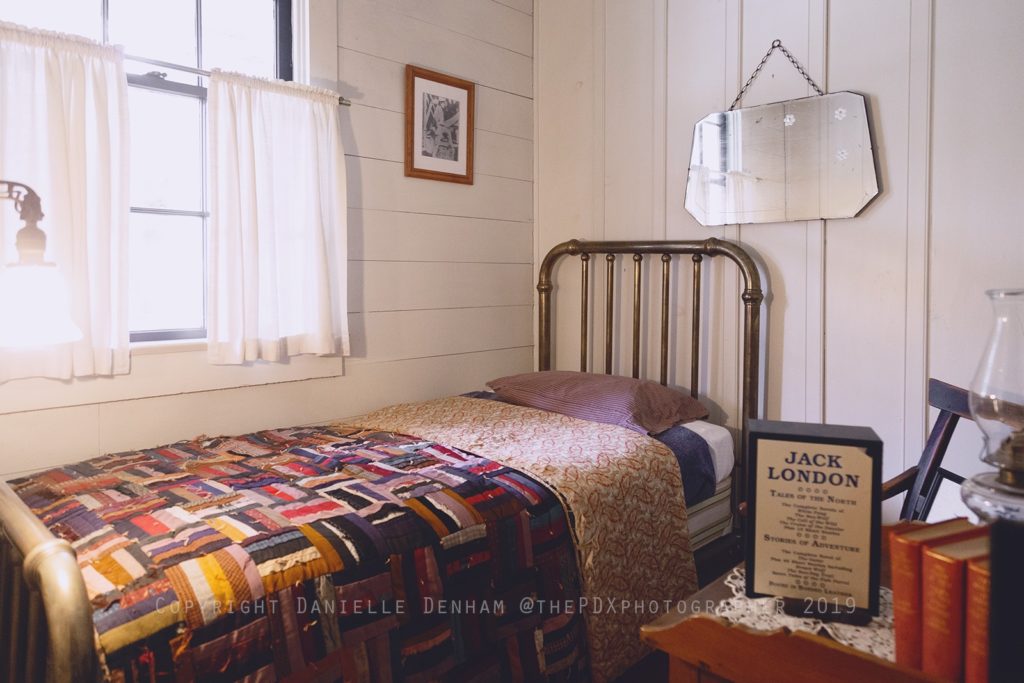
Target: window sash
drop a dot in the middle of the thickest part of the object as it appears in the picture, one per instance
(156, 81)
(151, 81)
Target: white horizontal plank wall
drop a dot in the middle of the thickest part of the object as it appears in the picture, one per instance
(864, 310)
(440, 274)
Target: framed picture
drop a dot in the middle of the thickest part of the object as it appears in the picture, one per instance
(438, 126)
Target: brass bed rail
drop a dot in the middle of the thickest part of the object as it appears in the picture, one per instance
(751, 298)
(46, 631)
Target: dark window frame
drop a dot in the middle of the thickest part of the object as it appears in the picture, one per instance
(283, 21)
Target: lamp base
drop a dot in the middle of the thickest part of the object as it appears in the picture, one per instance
(992, 499)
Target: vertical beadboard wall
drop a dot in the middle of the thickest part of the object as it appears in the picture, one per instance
(440, 275)
(864, 310)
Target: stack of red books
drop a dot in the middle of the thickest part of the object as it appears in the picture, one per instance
(940, 592)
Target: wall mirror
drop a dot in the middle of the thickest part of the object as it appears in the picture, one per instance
(788, 161)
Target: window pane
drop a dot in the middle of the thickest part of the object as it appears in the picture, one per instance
(240, 35)
(81, 17)
(166, 150)
(167, 273)
(156, 29)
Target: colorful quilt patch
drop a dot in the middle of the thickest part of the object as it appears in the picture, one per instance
(294, 552)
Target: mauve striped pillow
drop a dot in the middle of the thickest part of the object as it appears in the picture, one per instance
(638, 404)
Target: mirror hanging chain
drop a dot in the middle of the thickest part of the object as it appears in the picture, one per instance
(776, 44)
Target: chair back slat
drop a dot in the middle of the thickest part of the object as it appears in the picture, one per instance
(952, 403)
(948, 398)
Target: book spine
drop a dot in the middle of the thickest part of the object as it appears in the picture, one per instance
(1006, 567)
(905, 558)
(942, 616)
(976, 626)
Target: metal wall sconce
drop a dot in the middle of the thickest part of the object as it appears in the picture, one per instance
(34, 307)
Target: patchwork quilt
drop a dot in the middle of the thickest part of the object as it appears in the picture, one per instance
(624, 494)
(318, 553)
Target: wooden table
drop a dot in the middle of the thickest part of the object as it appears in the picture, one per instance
(706, 649)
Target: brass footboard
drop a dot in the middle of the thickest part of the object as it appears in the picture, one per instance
(46, 631)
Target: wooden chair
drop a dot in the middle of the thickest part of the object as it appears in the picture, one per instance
(921, 482)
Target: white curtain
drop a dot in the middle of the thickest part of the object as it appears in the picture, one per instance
(64, 132)
(277, 252)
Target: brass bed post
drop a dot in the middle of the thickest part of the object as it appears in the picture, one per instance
(666, 262)
(544, 287)
(609, 313)
(752, 298)
(584, 311)
(13, 643)
(638, 260)
(51, 568)
(35, 662)
(5, 601)
(695, 335)
(8, 618)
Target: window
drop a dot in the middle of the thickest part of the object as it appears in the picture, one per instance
(167, 44)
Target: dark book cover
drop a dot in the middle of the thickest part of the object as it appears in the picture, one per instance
(1006, 625)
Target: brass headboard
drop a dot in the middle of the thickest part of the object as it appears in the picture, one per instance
(751, 298)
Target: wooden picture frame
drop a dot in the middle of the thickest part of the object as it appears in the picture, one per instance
(817, 488)
(439, 120)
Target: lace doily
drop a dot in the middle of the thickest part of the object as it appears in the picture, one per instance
(764, 614)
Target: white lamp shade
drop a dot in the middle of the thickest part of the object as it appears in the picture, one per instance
(34, 307)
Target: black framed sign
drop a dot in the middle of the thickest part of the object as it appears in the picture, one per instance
(814, 520)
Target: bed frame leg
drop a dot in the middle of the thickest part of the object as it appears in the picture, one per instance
(45, 613)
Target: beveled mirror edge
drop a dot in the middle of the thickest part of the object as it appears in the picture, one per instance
(875, 152)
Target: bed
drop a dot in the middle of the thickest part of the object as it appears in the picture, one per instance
(462, 538)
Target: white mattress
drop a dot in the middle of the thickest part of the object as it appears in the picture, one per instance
(720, 442)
